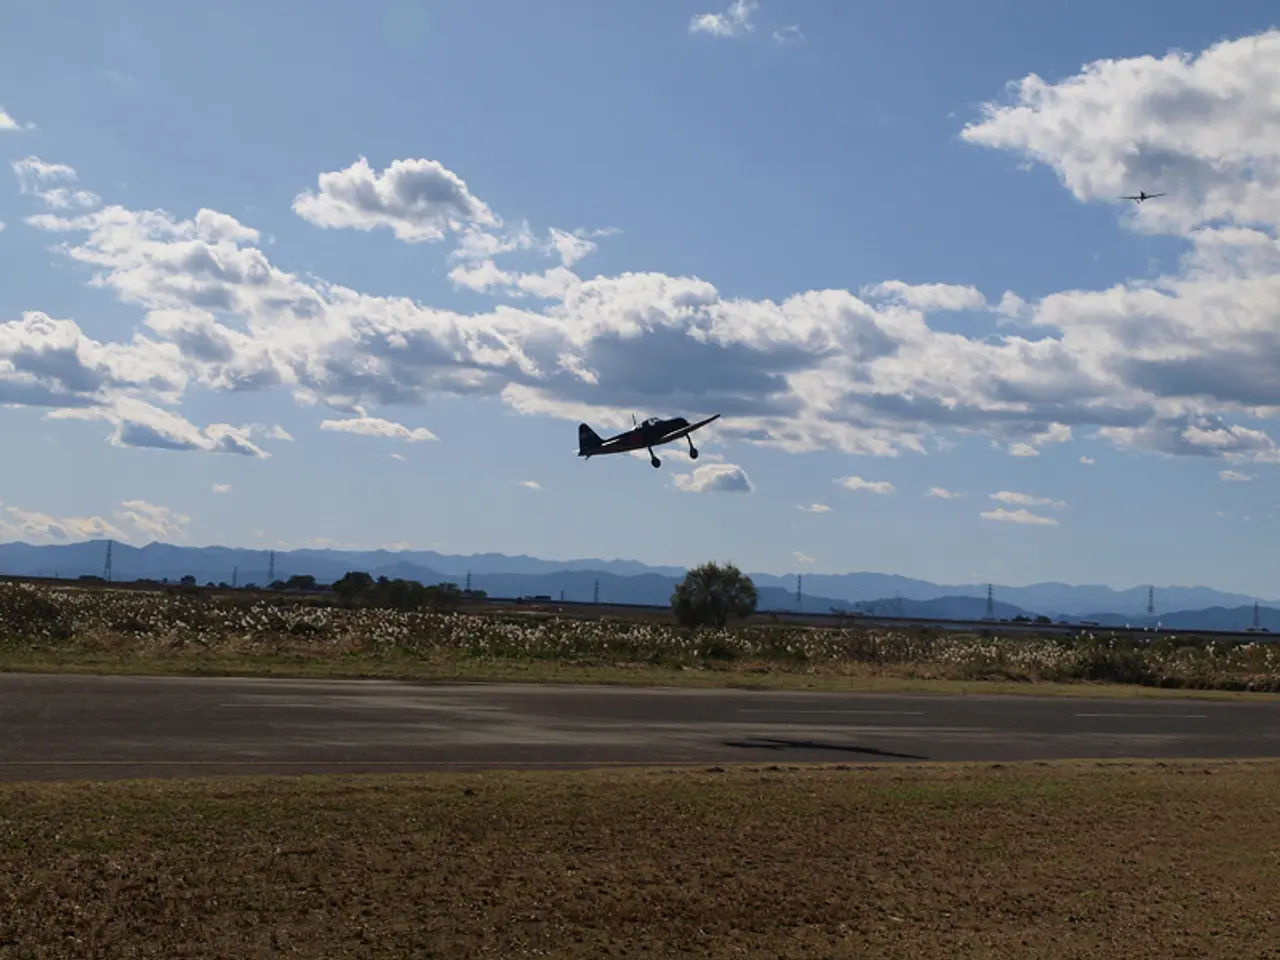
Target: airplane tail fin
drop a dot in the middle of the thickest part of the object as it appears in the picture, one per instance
(588, 440)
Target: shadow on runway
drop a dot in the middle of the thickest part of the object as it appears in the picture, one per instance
(772, 743)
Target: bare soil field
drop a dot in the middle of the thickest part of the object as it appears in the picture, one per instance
(1049, 860)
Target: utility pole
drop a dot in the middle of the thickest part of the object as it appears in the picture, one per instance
(1151, 600)
(271, 568)
(595, 596)
(798, 594)
(991, 605)
(235, 576)
(106, 569)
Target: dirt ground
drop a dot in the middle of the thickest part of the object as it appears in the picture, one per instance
(1044, 860)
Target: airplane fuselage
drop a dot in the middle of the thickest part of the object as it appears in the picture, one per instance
(644, 436)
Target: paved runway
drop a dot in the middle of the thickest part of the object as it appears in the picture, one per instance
(64, 727)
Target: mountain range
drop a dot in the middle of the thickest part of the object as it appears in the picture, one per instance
(630, 581)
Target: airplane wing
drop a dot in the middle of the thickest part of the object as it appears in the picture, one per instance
(685, 431)
(1150, 195)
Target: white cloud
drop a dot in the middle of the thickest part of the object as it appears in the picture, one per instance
(715, 477)
(6, 121)
(802, 558)
(734, 22)
(857, 483)
(140, 424)
(1234, 476)
(815, 508)
(221, 487)
(944, 494)
(789, 34)
(137, 521)
(531, 484)
(928, 297)
(376, 427)
(1200, 128)
(33, 527)
(1088, 460)
(1182, 365)
(1023, 450)
(154, 522)
(32, 173)
(1027, 500)
(1022, 516)
(570, 246)
(418, 200)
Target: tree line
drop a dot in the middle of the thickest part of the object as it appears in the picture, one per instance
(710, 595)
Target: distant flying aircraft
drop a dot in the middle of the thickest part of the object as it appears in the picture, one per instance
(1143, 195)
(643, 436)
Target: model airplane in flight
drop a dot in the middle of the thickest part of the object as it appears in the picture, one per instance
(643, 436)
(1143, 195)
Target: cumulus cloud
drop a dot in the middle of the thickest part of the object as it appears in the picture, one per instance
(33, 173)
(928, 297)
(815, 508)
(221, 487)
(1089, 461)
(531, 484)
(418, 200)
(788, 34)
(6, 121)
(137, 521)
(154, 522)
(943, 493)
(30, 526)
(733, 22)
(140, 424)
(1181, 365)
(715, 477)
(376, 427)
(1233, 476)
(801, 557)
(1022, 516)
(1027, 500)
(857, 483)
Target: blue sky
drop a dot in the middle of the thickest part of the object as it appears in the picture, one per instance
(1093, 380)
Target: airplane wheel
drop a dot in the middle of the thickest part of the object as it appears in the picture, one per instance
(656, 462)
(693, 453)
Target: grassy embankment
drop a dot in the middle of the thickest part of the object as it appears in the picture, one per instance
(1053, 860)
(104, 631)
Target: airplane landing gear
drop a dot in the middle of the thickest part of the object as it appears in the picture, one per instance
(653, 459)
(693, 451)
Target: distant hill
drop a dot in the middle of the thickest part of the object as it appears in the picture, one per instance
(1210, 618)
(942, 608)
(629, 581)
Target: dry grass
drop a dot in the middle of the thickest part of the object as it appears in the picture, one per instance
(1051, 860)
(42, 628)
(449, 667)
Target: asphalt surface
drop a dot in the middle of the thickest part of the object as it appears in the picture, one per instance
(88, 727)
